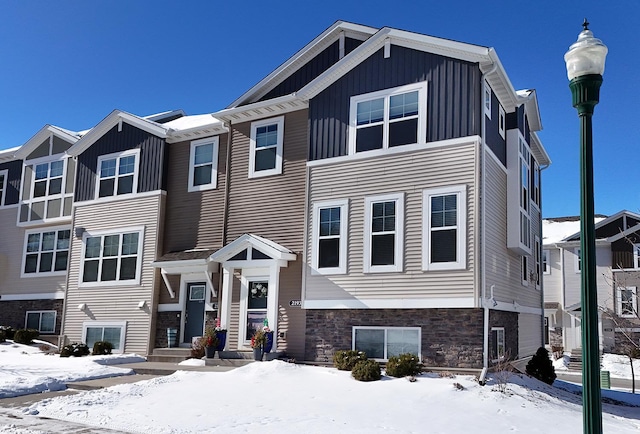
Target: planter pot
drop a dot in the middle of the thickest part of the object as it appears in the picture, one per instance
(210, 352)
(269, 345)
(222, 340)
(257, 354)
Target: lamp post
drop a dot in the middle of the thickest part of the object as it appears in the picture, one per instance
(585, 65)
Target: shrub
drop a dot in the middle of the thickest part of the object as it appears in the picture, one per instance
(345, 360)
(366, 370)
(8, 331)
(3, 336)
(406, 364)
(197, 349)
(75, 350)
(25, 336)
(540, 366)
(102, 348)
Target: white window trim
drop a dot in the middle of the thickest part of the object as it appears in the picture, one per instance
(119, 231)
(214, 163)
(502, 119)
(386, 94)
(546, 266)
(343, 204)
(504, 342)
(486, 101)
(46, 199)
(461, 249)
(118, 155)
(634, 301)
(524, 266)
(277, 170)
(103, 324)
(40, 231)
(535, 188)
(40, 312)
(3, 192)
(399, 233)
(576, 260)
(252, 275)
(636, 256)
(353, 337)
(537, 259)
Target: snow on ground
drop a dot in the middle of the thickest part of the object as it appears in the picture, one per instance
(24, 369)
(619, 366)
(273, 397)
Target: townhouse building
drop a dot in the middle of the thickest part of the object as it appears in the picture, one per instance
(380, 191)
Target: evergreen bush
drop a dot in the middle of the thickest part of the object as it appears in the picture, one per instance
(75, 350)
(366, 370)
(541, 367)
(406, 364)
(25, 336)
(8, 331)
(3, 336)
(345, 360)
(102, 348)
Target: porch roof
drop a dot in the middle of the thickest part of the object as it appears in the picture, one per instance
(266, 246)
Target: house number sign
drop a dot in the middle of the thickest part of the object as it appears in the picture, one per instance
(295, 303)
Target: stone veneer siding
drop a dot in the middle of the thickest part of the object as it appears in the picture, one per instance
(508, 320)
(14, 313)
(450, 337)
(165, 320)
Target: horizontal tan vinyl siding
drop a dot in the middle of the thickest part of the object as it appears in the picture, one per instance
(271, 206)
(193, 219)
(410, 174)
(108, 302)
(603, 277)
(529, 334)
(11, 253)
(553, 280)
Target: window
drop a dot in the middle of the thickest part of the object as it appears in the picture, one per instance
(112, 257)
(265, 154)
(627, 301)
(384, 234)
(577, 262)
(48, 191)
(110, 331)
(524, 270)
(546, 269)
(42, 320)
(203, 164)
(329, 254)
(384, 342)
(535, 192)
(444, 228)
(48, 178)
(388, 118)
(636, 256)
(537, 254)
(46, 252)
(502, 126)
(487, 100)
(256, 306)
(498, 349)
(4, 174)
(117, 174)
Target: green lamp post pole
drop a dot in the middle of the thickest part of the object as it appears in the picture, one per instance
(585, 65)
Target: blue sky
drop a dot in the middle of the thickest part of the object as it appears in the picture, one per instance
(71, 63)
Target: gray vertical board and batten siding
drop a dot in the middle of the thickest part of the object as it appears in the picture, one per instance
(453, 97)
(150, 164)
(14, 168)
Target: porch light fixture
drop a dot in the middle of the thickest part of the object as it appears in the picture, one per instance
(585, 66)
(82, 306)
(142, 304)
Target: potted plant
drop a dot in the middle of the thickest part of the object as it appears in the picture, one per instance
(258, 341)
(221, 335)
(210, 342)
(268, 344)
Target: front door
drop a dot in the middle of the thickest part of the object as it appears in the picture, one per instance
(194, 315)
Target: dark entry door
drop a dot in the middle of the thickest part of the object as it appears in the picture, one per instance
(194, 316)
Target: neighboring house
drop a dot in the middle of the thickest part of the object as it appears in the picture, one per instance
(617, 276)
(380, 191)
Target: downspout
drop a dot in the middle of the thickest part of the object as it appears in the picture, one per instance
(483, 231)
(225, 211)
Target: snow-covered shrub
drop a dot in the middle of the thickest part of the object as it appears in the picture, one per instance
(75, 350)
(8, 331)
(25, 336)
(541, 367)
(345, 360)
(366, 370)
(403, 365)
(102, 348)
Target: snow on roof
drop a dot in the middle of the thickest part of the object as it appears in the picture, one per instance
(556, 230)
(189, 122)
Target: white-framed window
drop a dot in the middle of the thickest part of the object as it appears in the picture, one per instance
(546, 269)
(46, 196)
(4, 180)
(636, 256)
(538, 260)
(330, 226)
(525, 222)
(487, 100)
(444, 233)
(502, 122)
(42, 320)
(265, 148)
(117, 174)
(388, 118)
(48, 178)
(384, 233)
(203, 164)
(113, 257)
(536, 183)
(110, 331)
(524, 270)
(627, 301)
(383, 342)
(46, 252)
(498, 348)
(577, 260)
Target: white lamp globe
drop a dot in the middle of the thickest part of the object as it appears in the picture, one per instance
(586, 55)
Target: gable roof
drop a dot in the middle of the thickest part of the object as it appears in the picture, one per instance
(8, 154)
(566, 229)
(46, 132)
(268, 247)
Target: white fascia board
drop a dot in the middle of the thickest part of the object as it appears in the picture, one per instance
(215, 128)
(393, 303)
(179, 267)
(109, 122)
(268, 247)
(57, 295)
(444, 47)
(499, 82)
(605, 222)
(300, 58)
(262, 109)
(538, 150)
(9, 154)
(43, 134)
